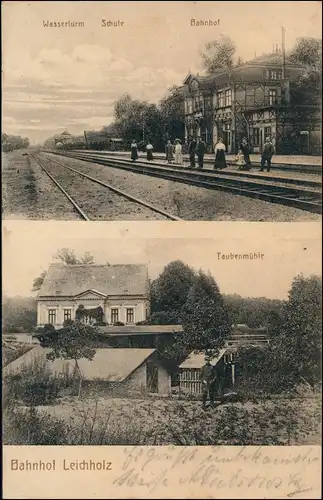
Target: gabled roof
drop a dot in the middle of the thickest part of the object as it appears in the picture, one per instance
(198, 360)
(63, 280)
(113, 365)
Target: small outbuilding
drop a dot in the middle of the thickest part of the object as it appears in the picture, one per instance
(133, 368)
(190, 370)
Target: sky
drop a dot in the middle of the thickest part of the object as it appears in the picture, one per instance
(289, 249)
(57, 79)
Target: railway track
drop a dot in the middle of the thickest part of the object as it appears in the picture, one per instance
(260, 188)
(285, 167)
(118, 192)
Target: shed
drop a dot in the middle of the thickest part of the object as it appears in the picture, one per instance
(190, 369)
(136, 368)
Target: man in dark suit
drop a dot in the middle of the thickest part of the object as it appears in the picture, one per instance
(208, 378)
(192, 152)
(267, 154)
(200, 150)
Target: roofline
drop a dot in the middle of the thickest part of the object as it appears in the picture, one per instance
(71, 297)
(248, 65)
(138, 366)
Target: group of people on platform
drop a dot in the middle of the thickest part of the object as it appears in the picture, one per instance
(197, 148)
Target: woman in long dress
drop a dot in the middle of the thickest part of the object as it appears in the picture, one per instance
(149, 149)
(134, 151)
(169, 152)
(178, 152)
(245, 148)
(220, 161)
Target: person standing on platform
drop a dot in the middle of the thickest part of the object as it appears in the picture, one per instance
(134, 151)
(192, 152)
(245, 148)
(220, 161)
(149, 150)
(267, 154)
(200, 150)
(169, 152)
(178, 152)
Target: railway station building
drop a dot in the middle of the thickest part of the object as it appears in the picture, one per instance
(106, 294)
(253, 100)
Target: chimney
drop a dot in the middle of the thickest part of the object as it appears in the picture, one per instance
(283, 54)
(277, 48)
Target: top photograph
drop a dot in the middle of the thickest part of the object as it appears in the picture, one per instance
(180, 111)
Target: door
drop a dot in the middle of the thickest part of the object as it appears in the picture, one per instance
(152, 377)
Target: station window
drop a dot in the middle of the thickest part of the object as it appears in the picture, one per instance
(130, 316)
(275, 74)
(272, 96)
(52, 316)
(221, 100)
(256, 137)
(114, 315)
(228, 97)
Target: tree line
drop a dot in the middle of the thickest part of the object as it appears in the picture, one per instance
(12, 142)
(182, 295)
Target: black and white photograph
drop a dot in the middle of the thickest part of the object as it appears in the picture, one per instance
(161, 249)
(152, 340)
(162, 111)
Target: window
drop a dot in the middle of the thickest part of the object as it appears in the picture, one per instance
(67, 314)
(275, 74)
(228, 97)
(130, 315)
(52, 316)
(268, 132)
(256, 137)
(189, 106)
(272, 96)
(114, 315)
(221, 99)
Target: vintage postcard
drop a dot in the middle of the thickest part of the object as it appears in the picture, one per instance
(162, 111)
(162, 197)
(147, 362)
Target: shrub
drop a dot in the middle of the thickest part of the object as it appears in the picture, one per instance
(33, 384)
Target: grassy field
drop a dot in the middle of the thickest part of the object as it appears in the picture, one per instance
(120, 421)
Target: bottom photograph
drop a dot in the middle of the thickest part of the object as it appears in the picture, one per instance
(111, 337)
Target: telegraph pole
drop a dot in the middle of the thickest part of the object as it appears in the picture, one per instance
(283, 53)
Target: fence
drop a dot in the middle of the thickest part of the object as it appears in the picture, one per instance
(190, 380)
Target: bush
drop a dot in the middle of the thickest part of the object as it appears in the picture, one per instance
(33, 385)
(35, 427)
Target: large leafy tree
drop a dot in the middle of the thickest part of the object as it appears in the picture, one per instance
(218, 54)
(294, 354)
(205, 317)
(12, 142)
(172, 111)
(138, 120)
(308, 52)
(73, 342)
(301, 334)
(169, 291)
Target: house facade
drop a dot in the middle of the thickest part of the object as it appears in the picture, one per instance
(253, 100)
(110, 294)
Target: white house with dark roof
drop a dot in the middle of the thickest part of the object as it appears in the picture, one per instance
(121, 291)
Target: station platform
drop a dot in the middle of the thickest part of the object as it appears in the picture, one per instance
(298, 176)
(293, 160)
